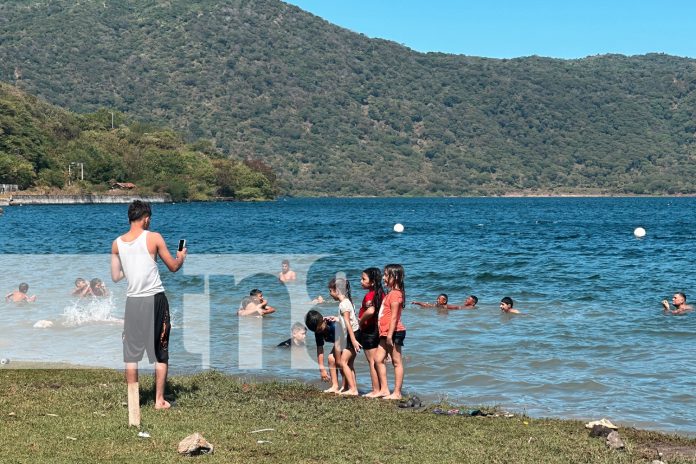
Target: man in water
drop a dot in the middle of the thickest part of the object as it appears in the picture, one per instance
(441, 303)
(20, 295)
(286, 274)
(506, 306)
(146, 321)
(679, 302)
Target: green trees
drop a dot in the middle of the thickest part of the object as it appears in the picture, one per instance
(39, 142)
(332, 111)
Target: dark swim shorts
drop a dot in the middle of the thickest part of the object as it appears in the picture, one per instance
(146, 328)
(369, 340)
(398, 337)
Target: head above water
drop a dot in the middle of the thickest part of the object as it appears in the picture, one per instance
(506, 303)
(679, 298)
(256, 292)
(139, 210)
(442, 299)
(24, 287)
(471, 300)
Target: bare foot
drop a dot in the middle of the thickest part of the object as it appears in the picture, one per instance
(372, 394)
(393, 396)
(332, 390)
(379, 394)
(164, 404)
(349, 393)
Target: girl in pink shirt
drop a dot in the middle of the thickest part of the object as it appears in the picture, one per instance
(391, 331)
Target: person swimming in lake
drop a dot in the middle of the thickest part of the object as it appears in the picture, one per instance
(679, 302)
(82, 288)
(97, 287)
(442, 303)
(20, 295)
(298, 334)
(506, 306)
(286, 274)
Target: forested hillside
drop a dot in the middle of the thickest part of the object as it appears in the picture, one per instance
(42, 146)
(337, 113)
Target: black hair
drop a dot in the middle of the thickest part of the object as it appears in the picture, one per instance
(78, 280)
(396, 273)
(255, 292)
(341, 285)
(24, 287)
(375, 276)
(507, 300)
(683, 295)
(445, 295)
(475, 298)
(313, 319)
(138, 209)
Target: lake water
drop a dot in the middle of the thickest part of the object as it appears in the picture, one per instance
(594, 342)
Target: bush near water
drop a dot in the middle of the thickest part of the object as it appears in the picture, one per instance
(39, 141)
(337, 113)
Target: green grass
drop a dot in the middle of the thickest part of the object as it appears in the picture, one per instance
(40, 409)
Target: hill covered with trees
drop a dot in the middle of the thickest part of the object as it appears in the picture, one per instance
(39, 142)
(336, 113)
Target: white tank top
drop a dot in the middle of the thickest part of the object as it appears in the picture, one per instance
(139, 267)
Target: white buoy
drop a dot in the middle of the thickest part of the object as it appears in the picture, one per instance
(398, 227)
(4, 361)
(639, 232)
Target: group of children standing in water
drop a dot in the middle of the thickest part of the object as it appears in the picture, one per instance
(377, 330)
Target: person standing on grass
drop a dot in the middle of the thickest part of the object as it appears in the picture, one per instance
(146, 321)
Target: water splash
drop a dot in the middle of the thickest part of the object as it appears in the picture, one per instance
(90, 311)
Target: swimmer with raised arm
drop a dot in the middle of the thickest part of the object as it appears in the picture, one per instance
(442, 303)
(679, 302)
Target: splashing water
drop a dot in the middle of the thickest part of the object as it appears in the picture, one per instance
(89, 311)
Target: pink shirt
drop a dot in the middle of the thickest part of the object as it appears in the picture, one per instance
(385, 312)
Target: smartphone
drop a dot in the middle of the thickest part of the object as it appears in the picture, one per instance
(182, 244)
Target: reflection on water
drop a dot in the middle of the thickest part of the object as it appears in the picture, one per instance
(594, 343)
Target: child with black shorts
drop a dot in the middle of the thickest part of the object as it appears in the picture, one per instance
(371, 280)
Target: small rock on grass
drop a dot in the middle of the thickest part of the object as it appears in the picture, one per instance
(614, 441)
(195, 444)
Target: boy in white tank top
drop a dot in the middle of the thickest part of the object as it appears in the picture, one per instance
(146, 321)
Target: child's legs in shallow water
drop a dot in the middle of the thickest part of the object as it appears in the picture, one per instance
(380, 354)
(347, 360)
(333, 373)
(395, 353)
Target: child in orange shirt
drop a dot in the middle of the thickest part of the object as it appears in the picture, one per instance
(391, 331)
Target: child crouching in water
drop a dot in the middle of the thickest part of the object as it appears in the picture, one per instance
(339, 289)
(391, 331)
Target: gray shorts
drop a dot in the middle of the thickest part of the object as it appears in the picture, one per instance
(146, 327)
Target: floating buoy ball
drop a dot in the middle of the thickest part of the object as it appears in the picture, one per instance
(639, 232)
(4, 361)
(398, 227)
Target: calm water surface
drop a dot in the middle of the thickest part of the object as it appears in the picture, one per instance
(594, 343)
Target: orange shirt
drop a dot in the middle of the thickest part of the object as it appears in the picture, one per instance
(385, 312)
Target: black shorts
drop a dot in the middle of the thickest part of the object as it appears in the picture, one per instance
(398, 337)
(146, 327)
(349, 342)
(369, 340)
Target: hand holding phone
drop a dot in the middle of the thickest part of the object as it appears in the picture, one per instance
(182, 244)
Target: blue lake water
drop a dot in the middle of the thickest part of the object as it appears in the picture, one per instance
(594, 342)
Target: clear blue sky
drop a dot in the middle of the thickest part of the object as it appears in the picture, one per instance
(509, 28)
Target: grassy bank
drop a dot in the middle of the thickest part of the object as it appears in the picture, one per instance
(79, 416)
